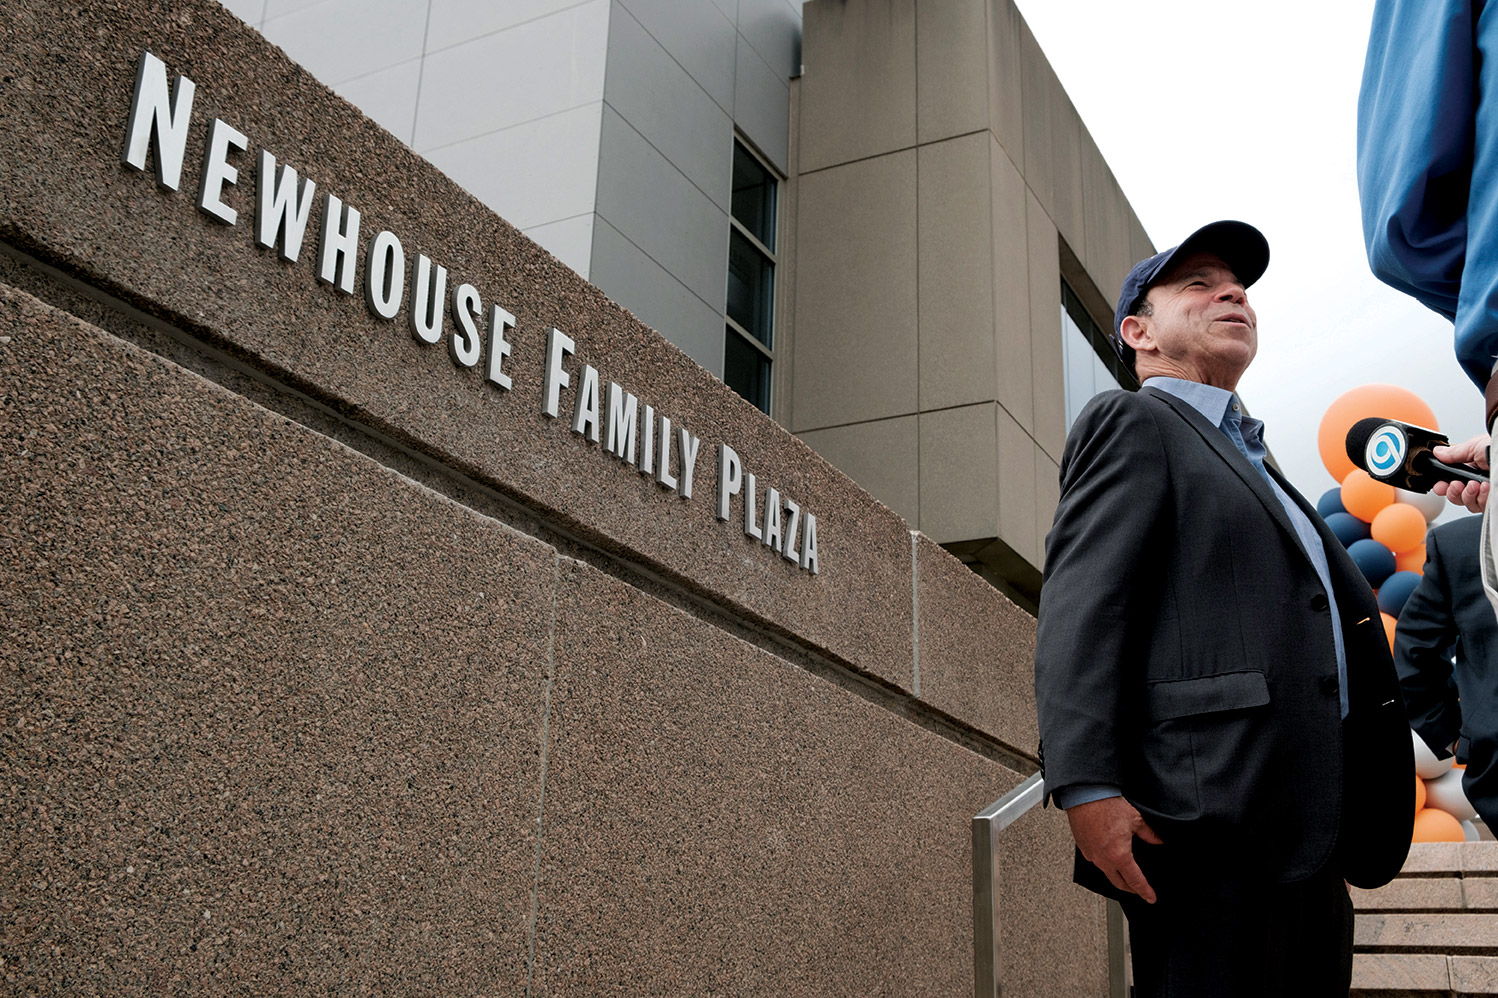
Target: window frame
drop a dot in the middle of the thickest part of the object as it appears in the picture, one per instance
(731, 326)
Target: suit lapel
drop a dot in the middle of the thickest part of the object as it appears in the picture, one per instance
(1225, 449)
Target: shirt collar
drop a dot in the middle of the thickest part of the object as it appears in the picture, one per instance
(1215, 404)
(1209, 400)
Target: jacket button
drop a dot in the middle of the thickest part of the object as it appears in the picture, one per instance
(1329, 685)
(1319, 602)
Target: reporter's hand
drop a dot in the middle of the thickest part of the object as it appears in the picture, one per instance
(1472, 495)
(1105, 831)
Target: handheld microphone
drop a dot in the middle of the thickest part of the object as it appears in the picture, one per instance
(1399, 454)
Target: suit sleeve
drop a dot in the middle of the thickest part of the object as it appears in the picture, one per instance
(1423, 643)
(1101, 590)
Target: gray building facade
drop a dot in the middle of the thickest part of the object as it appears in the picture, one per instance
(944, 238)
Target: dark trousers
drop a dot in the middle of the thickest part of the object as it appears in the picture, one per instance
(1210, 939)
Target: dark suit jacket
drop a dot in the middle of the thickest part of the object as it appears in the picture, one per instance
(1449, 612)
(1185, 655)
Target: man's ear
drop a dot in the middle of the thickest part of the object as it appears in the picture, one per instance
(1135, 332)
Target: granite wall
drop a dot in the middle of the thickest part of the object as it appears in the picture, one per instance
(332, 664)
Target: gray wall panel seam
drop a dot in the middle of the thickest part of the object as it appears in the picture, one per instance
(672, 56)
(669, 272)
(599, 157)
(659, 152)
(920, 477)
(364, 76)
(915, 617)
(891, 152)
(511, 27)
(505, 128)
(420, 73)
(290, 13)
(551, 647)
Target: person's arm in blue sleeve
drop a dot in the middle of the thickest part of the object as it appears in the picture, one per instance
(1415, 141)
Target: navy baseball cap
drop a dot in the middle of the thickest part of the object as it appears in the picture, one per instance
(1241, 246)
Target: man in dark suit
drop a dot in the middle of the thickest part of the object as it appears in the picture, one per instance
(1219, 714)
(1448, 613)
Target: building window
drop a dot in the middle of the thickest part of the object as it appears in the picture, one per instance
(1088, 356)
(749, 340)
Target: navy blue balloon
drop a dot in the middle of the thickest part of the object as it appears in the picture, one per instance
(1375, 561)
(1395, 590)
(1348, 528)
(1330, 502)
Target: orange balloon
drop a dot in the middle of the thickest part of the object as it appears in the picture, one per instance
(1389, 623)
(1419, 794)
(1432, 825)
(1364, 497)
(1399, 527)
(1412, 560)
(1384, 401)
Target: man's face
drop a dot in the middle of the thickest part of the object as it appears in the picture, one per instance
(1201, 321)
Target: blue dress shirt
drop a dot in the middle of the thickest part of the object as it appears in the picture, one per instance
(1222, 409)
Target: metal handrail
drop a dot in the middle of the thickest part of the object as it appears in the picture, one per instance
(987, 823)
(988, 963)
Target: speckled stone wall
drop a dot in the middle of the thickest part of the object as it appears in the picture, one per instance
(330, 667)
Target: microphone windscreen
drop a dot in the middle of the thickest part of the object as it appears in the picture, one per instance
(1357, 439)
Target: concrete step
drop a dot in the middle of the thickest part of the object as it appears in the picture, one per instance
(1433, 932)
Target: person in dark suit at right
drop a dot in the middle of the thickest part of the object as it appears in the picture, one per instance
(1449, 613)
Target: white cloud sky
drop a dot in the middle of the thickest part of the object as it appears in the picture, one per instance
(1230, 109)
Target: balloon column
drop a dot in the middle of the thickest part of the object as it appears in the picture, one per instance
(1383, 529)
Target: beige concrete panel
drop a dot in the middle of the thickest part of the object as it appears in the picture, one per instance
(883, 456)
(1011, 288)
(1140, 245)
(1006, 107)
(858, 95)
(272, 713)
(956, 273)
(1018, 493)
(719, 821)
(1048, 374)
(959, 473)
(1068, 196)
(856, 293)
(71, 202)
(1110, 247)
(951, 68)
(1052, 143)
(1039, 90)
(1047, 497)
(976, 651)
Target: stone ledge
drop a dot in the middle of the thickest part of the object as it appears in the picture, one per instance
(1383, 973)
(1444, 933)
(1412, 894)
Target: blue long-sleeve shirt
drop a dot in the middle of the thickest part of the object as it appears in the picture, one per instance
(1427, 155)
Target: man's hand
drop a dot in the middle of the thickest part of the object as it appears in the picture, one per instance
(1473, 495)
(1105, 831)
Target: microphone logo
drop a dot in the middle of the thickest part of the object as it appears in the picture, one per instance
(1385, 451)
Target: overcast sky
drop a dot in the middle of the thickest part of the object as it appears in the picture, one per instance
(1228, 109)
